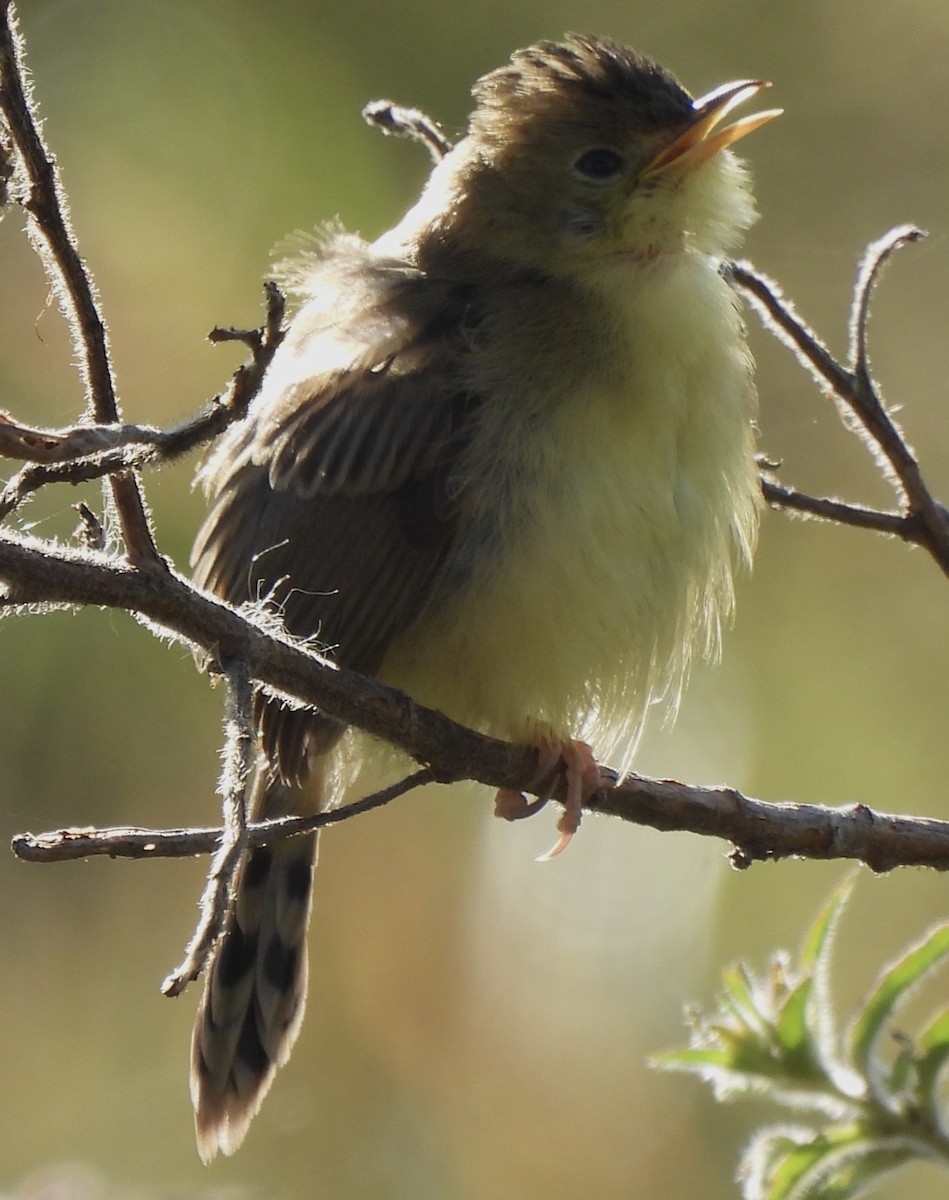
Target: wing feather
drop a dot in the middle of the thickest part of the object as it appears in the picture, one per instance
(331, 499)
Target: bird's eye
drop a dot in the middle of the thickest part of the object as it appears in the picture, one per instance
(599, 165)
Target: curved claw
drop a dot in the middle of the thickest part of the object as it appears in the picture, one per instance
(557, 848)
(582, 776)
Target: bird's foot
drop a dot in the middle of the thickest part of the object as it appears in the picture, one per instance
(582, 776)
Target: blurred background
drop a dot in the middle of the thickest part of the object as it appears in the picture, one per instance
(478, 1025)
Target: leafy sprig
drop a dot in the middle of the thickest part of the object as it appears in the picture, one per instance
(774, 1034)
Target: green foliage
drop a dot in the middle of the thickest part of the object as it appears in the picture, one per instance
(774, 1034)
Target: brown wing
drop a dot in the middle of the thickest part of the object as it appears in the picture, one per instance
(331, 498)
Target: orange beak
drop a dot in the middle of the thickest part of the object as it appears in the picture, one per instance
(699, 141)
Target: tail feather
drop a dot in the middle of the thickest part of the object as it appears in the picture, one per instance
(255, 989)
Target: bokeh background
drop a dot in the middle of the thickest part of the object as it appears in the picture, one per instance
(478, 1025)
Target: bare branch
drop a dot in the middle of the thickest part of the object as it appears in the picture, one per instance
(6, 169)
(28, 444)
(925, 521)
(38, 190)
(407, 122)
(258, 341)
(240, 750)
(86, 452)
(89, 531)
(780, 318)
(38, 574)
(875, 257)
(871, 410)
(779, 496)
(80, 470)
(759, 831)
(67, 845)
(450, 751)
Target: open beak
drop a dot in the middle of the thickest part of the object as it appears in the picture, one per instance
(701, 139)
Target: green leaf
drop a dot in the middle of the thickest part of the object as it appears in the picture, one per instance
(792, 1024)
(729, 1072)
(795, 1166)
(805, 1022)
(799, 1052)
(699, 1062)
(817, 944)
(933, 1044)
(768, 1152)
(845, 1172)
(743, 999)
(936, 1034)
(837, 1164)
(816, 953)
(903, 1075)
(890, 991)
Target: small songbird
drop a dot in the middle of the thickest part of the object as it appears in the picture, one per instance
(504, 460)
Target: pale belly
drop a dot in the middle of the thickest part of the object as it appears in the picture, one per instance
(626, 513)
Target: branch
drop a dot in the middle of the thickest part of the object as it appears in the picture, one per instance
(449, 751)
(407, 122)
(779, 496)
(38, 189)
(240, 751)
(129, 841)
(868, 403)
(924, 521)
(6, 169)
(39, 574)
(758, 830)
(82, 453)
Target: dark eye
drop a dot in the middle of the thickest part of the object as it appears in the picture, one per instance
(600, 165)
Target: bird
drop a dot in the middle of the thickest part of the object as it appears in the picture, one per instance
(504, 460)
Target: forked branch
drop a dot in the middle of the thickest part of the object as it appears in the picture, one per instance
(250, 648)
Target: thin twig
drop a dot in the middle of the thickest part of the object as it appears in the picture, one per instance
(89, 531)
(407, 122)
(780, 319)
(924, 521)
(759, 831)
(875, 257)
(29, 444)
(38, 574)
(263, 341)
(68, 845)
(240, 749)
(779, 496)
(83, 453)
(6, 168)
(871, 410)
(41, 196)
(82, 470)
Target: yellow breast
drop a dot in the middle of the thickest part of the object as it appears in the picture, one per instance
(623, 495)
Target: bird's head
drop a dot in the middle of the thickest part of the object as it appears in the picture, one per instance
(581, 151)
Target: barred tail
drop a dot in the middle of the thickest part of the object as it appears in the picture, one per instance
(255, 987)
